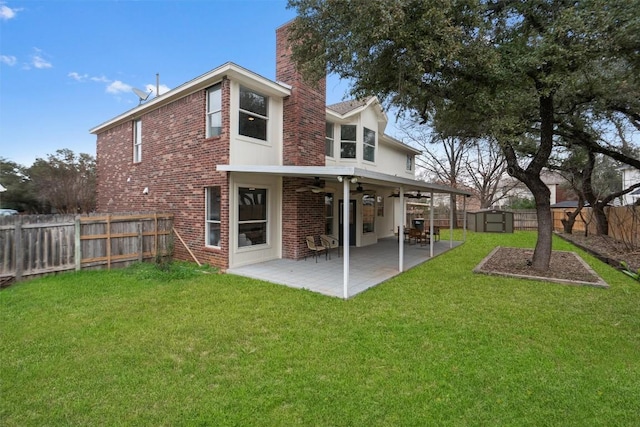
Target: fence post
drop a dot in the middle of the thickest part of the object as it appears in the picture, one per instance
(19, 255)
(140, 243)
(78, 247)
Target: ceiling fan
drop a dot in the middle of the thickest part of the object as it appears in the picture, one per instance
(360, 190)
(416, 195)
(316, 187)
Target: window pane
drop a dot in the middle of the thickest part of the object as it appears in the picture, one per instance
(252, 204)
(253, 126)
(369, 137)
(213, 234)
(252, 234)
(213, 199)
(328, 210)
(253, 102)
(215, 99)
(215, 124)
(368, 213)
(348, 132)
(348, 150)
(329, 131)
(369, 153)
(328, 147)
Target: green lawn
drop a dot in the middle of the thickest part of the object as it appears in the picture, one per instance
(437, 345)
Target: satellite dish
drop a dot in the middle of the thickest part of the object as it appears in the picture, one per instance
(141, 94)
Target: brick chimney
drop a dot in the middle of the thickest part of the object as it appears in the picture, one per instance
(303, 145)
(304, 110)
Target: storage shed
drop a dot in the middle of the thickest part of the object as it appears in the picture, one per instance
(490, 221)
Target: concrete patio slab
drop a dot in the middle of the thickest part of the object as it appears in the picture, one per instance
(369, 266)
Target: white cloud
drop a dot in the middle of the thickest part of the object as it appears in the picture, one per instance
(118, 87)
(7, 13)
(78, 77)
(39, 62)
(8, 59)
(101, 79)
(163, 89)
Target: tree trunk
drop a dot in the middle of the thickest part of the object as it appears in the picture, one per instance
(454, 208)
(542, 196)
(602, 224)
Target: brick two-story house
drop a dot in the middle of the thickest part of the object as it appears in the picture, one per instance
(251, 166)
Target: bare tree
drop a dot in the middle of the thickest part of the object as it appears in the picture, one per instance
(443, 159)
(486, 167)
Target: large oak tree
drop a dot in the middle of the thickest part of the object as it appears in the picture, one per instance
(509, 70)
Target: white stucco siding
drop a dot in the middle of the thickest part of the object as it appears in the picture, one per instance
(250, 151)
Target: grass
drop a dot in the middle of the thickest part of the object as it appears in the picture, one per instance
(437, 345)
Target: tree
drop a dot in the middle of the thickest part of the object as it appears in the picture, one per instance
(508, 69)
(444, 159)
(486, 167)
(18, 194)
(65, 181)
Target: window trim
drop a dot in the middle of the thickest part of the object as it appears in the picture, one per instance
(330, 140)
(409, 163)
(209, 113)
(365, 144)
(206, 215)
(254, 114)
(265, 221)
(354, 142)
(137, 141)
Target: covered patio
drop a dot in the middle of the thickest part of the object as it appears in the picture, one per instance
(369, 266)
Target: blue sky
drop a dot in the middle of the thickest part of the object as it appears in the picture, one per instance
(67, 66)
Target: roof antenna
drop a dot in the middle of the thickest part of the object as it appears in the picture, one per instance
(141, 94)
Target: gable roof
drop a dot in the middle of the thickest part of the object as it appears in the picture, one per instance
(231, 70)
(345, 107)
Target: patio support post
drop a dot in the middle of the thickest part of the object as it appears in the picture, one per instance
(452, 201)
(431, 225)
(401, 232)
(464, 219)
(345, 238)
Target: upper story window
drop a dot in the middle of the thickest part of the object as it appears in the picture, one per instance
(137, 141)
(328, 145)
(348, 141)
(369, 145)
(409, 162)
(212, 230)
(214, 110)
(253, 114)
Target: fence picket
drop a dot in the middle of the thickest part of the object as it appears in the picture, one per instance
(39, 244)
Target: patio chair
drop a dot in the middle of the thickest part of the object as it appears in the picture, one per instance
(330, 242)
(315, 249)
(417, 236)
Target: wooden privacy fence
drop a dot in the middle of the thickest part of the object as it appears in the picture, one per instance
(624, 222)
(40, 244)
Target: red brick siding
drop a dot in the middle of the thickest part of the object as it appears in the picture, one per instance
(178, 163)
(304, 139)
(304, 213)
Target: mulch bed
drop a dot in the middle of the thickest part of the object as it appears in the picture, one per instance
(565, 267)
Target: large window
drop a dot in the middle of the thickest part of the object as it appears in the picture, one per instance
(214, 110)
(213, 216)
(368, 213)
(348, 141)
(137, 141)
(369, 145)
(328, 144)
(252, 216)
(328, 213)
(253, 114)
